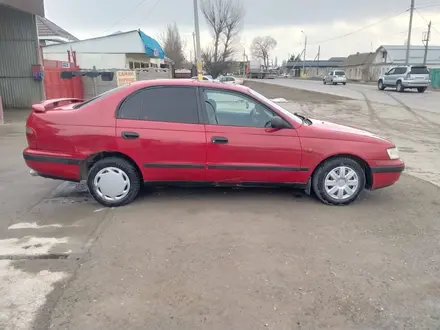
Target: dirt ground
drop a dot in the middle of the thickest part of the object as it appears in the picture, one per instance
(274, 91)
(223, 258)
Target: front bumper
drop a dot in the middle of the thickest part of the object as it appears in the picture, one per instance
(386, 173)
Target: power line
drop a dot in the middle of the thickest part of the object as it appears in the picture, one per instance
(149, 12)
(124, 16)
(433, 28)
(362, 29)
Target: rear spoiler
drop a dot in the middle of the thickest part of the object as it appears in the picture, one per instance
(54, 103)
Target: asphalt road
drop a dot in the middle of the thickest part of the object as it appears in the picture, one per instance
(222, 258)
(428, 101)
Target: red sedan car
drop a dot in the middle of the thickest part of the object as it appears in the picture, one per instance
(201, 133)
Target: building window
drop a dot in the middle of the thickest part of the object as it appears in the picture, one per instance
(131, 65)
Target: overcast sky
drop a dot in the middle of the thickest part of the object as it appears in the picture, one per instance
(324, 22)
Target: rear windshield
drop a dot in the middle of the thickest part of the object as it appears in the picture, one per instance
(79, 105)
(339, 73)
(419, 70)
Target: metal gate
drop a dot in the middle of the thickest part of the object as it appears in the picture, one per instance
(55, 87)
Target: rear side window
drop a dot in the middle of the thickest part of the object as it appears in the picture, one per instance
(419, 70)
(400, 71)
(340, 73)
(164, 104)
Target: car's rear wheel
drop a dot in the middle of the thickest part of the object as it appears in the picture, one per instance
(324, 82)
(113, 182)
(338, 181)
(399, 87)
(380, 85)
(344, 83)
(421, 89)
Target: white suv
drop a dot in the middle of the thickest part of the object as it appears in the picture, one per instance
(402, 77)
(335, 77)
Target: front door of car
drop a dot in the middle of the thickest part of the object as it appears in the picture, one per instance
(388, 78)
(159, 128)
(240, 146)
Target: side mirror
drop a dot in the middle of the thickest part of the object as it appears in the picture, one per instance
(278, 122)
(386, 73)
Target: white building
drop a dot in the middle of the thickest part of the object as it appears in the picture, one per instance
(124, 50)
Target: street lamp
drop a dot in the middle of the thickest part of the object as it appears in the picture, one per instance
(305, 50)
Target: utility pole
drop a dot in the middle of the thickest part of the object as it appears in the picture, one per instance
(197, 37)
(408, 46)
(305, 50)
(426, 41)
(319, 53)
(194, 45)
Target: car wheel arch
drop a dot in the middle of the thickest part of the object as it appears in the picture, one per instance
(359, 160)
(93, 158)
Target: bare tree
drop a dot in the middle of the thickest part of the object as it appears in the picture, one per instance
(261, 47)
(224, 18)
(173, 45)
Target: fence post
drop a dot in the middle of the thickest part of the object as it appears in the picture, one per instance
(2, 115)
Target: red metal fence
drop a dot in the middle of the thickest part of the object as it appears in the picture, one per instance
(56, 87)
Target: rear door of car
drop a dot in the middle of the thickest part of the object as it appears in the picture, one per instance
(159, 127)
(239, 146)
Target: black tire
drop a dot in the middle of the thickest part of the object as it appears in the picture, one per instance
(324, 82)
(380, 85)
(318, 180)
(421, 89)
(121, 164)
(399, 87)
(344, 84)
(334, 83)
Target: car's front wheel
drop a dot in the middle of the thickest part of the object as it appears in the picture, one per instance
(399, 87)
(380, 85)
(338, 181)
(421, 89)
(324, 82)
(113, 182)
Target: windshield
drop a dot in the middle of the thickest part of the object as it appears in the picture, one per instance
(340, 73)
(276, 106)
(79, 105)
(419, 70)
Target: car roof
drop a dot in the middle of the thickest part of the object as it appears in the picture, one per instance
(188, 82)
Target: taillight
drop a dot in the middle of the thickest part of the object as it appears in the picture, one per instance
(31, 138)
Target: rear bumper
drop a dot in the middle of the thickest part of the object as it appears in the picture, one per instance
(415, 84)
(53, 165)
(386, 173)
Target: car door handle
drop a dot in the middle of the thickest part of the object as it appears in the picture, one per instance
(130, 135)
(219, 140)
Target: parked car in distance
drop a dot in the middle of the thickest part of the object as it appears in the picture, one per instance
(335, 77)
(207, 78)
(404, 77)
(174, 132)
(230, 80)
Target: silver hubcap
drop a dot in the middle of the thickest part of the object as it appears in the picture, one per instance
(341, 183)
(111, 184)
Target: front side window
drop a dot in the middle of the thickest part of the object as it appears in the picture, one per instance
(234, 109)
(339, 73)
(392, 71)
(163, 104)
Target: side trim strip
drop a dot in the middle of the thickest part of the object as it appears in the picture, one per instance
(51, 159)
(257, 168)
(387, 169)
(246, 184)
(171, 165)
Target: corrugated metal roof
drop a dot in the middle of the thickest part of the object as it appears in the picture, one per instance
(397, 54)
(314, 64)
(359, 59)
(47, 28)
